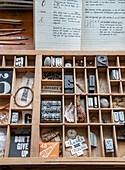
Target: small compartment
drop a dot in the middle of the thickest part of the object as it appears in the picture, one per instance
(69, 109)
(91, 79)
(51, 87)
(118, 101)
(20, 61)
(3, 135)
(122, 60)
(103, 81)
(95, 141)
(106, 116)
(119, 116)
(120, 136)
(68, 61)
(21, 117)
(20, 142)
(68, 80)
(115, 87)
(51, 108)
(31, 60)
(105, 102)
(93, 116)
(80, 81)
(24, 82)
(20, 74)
(79, 61)
(90, 61)
(114, 74)
(123, 74)
(46, 61)
(9, 61)
(51, 74)
(73, 149)
(51, 142)
(4, 110)
(81, 109)
(109, 146)
(112, 60)
(93, 102)
(57, 61)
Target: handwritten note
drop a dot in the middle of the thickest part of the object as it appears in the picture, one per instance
(58, 24)
(80, 24)
(103, 25)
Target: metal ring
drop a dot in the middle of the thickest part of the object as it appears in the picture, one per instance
(71, 133)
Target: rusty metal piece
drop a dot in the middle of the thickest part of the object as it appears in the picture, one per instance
(80, 110)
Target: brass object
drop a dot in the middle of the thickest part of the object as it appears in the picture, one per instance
(71, 133)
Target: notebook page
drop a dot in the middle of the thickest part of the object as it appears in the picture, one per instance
(58, 24)
(103, 25)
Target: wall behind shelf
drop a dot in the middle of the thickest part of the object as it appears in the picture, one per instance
(27, 18)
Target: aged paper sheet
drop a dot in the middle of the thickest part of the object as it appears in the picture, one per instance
(103, 25)
(58, 24)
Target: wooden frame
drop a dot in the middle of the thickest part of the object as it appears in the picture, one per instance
(33, 63)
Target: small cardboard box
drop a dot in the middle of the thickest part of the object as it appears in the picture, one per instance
(50, 149)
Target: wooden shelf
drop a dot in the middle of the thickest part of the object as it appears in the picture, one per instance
(80, 75)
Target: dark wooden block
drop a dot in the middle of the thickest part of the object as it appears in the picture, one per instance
(6, 81)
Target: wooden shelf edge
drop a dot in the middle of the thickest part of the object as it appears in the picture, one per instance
(62, 52)
(64, 161)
